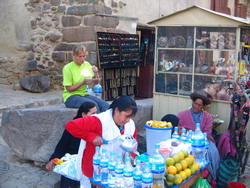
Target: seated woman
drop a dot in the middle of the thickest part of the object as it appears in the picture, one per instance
(76, 76)
(196, 114)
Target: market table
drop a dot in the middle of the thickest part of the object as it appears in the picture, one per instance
(185, 184)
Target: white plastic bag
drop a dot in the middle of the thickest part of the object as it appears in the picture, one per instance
(72, 168)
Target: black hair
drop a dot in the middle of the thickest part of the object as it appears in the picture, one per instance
(124, 103)
(171, 118)
(85, 107)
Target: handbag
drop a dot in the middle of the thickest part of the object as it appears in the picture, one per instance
(72, 167)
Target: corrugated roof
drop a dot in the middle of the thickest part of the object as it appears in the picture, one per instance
(242, 20)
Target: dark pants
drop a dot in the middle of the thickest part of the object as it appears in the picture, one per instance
(68, 183)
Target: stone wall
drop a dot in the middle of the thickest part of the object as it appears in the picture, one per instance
(56, 26)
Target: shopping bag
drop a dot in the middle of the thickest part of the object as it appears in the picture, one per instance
(69, 168)
(72, 167)
(201, 183)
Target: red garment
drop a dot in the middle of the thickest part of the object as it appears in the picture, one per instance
(87, 128)
(186, 121)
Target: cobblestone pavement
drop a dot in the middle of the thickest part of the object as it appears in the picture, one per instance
(18, 173)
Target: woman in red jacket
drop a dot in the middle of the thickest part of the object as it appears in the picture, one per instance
(106, 125)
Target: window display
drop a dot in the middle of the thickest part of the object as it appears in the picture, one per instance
(195, 58)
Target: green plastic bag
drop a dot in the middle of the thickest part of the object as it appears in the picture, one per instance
(201, 183)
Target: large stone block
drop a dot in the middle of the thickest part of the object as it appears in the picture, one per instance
(33, 133)
(91, 46)
(80, 34)
(88, 9)
(36, 84)
(69, 21)
(102, 21)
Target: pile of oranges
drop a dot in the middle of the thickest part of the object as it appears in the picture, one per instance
(180, 167)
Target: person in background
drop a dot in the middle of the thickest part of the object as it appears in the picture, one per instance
(70, 144)
(196, 114)
(76, 77)
(107, 125)
(171, 118)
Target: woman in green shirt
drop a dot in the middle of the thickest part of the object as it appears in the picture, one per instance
(76, 77)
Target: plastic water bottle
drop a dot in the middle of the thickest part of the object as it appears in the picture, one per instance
(98, 90)
(119, 167)
(158, 168)
(111, 168)
(183, 136)
(104, 166)
(206, 147)
(175, 133)
(128, 173)
(147, 176)
(90, 91)
(189, 136)
(96, 164)
(198, 145)
(137, 174)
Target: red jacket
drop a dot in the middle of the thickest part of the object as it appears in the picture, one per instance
(87, 128)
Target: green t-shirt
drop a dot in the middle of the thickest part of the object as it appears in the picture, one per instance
(74, 74)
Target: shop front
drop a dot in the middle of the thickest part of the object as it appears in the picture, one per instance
(199, 49)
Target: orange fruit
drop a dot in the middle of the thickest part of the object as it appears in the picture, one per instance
(178, 167)
(170, 178)
(185, 152)
(170, 183)
(188, 172)
(192, 169)
(177, 179)
(172, 170)
(183, 175)
(181, 155)
(170, 161)
(191, 157)
(176, 158)
(184, 164)
(189, 161)
(196, 166)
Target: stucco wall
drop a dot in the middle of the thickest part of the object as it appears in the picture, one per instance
(14, 26)
(148, 10)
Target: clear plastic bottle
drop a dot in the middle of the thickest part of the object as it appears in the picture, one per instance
(104, 166)
(206, 147)
(175, 133)
(96, 164)
(158, 168)
(128, 173)
(147, 176)
(119, 167)
(189, 136)
(98, 90)
(137, 174)
(198, 145)
(90, 91)
(183, 136)
(111, 168)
